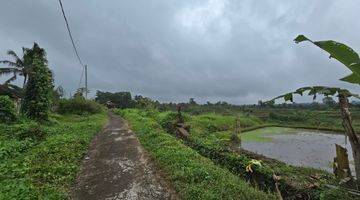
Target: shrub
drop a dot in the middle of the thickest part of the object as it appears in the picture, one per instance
(168, 120)
(33, 131)
(78, 106)
(7, 109)
(23, 130)
(291, 116)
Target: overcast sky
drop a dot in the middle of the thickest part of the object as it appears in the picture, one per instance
(171, 50)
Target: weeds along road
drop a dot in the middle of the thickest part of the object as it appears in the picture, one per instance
(117, 167)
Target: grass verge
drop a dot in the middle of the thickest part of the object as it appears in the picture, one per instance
(44, 167)
(193, 176)
(296, 182)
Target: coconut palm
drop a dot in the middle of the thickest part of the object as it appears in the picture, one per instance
(16, 67)
(21, 66)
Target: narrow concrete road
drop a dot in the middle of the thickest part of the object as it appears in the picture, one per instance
(117, 167)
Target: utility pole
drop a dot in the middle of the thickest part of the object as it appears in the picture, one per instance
(86, 82)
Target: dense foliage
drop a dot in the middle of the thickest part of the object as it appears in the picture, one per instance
(38, 91)
(7, 109)
(78, 105)
(119, 99)
(44, 169)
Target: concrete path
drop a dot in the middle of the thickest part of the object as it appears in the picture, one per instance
(117, 167)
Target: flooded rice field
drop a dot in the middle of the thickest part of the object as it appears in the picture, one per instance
(306, 148)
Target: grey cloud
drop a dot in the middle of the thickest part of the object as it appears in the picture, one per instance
(238, 51)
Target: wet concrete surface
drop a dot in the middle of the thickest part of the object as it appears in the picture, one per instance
(304, 148)
(117, 167)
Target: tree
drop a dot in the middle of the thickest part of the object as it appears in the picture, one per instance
(144, 102)
(123, 99)
(261, 103)
(120, 99)
(59, 92)
(80, 93)
(329, 101)
(57, 95)
(15, 68)
(192, 101)
(38, 91)
(351, 60)
(21, 66)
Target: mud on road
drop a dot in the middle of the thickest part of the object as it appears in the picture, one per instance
(117, 167)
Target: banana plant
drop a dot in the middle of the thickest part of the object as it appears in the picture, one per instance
(348, 57)
(340, 52)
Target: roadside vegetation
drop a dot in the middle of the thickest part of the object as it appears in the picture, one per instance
(210, 137)
(40, 161)
(193, 176)
(43, 135)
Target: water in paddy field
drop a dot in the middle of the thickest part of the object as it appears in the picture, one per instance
(304, 148)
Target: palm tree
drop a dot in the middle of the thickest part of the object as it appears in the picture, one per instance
(16, 67)
(21, 66)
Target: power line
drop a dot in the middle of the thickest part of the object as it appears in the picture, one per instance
(84, 67)
(70, 35)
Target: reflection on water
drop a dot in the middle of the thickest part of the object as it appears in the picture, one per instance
(302, 148)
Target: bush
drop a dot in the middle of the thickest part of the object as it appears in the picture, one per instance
(7, 109)
(78, 106)
(34, 131)
(291, 116)
(24, 130)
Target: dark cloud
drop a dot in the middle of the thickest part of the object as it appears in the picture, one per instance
(238, 51)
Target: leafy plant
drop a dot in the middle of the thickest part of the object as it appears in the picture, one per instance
(34, 131)
(351, 60)
(79, 106)
(38, 91)
(15, 68)
(341, 52)
(7, 109)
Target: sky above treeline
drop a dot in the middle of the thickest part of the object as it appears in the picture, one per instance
(171, 50)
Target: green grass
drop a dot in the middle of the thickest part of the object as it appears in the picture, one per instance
(209, 137)
(44, 169)
(329, 119)
(257, 135)
(193, 176)
(213, 122)
(260, 135)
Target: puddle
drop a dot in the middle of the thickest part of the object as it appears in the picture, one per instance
(304, 148)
